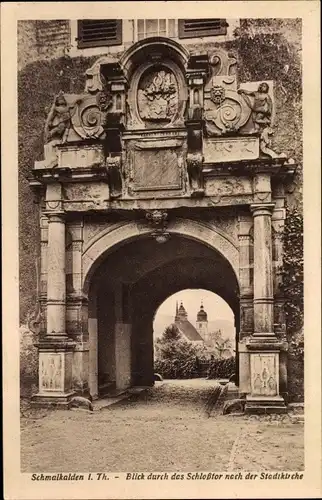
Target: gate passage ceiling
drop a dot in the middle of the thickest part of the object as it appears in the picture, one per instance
(157, 271)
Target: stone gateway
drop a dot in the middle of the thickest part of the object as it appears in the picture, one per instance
(159, 176)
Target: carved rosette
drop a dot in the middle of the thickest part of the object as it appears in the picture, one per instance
(158, 220)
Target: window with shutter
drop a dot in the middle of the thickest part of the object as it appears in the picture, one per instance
(99, 33)
(190, 28)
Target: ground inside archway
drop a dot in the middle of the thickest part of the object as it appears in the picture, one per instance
(166, 431)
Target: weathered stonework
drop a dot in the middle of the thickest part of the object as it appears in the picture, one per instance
(160, 146)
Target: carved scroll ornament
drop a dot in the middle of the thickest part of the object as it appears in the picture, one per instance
(225, 111)
(88, 117)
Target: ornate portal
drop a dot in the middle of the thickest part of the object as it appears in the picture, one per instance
(160, 140)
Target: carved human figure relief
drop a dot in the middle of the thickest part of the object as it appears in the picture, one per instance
(260, 103)
(158, 96)
(264, 368)
(51, 372)
(57, 127)
(58, 120)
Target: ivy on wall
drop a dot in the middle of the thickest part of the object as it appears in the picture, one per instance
(293, 287)
(292, 271)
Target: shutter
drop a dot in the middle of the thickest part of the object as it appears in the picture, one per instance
(99, 33)
(190, 28)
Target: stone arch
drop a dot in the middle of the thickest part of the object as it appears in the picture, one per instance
(109, 239)
(139, 52)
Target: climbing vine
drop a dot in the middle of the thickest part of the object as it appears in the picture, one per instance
(292, 277)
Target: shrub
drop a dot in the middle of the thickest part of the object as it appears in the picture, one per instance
(222, 368)
(28, 362)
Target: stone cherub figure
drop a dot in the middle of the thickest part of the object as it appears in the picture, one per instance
(57, 126)
(260, 104)
(58, 120)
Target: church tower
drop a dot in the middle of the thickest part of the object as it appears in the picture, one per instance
(181, 313)
(202, 324)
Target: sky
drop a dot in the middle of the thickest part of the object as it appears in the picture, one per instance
(214, 305)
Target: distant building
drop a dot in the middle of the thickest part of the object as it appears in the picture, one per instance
(187, 330)
(213, 341)
(202, 324)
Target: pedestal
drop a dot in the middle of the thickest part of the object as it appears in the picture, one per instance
(55, 373)
(264, 377)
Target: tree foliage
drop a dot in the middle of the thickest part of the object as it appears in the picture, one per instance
(176, 358)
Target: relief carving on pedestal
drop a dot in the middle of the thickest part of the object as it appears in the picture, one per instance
(157, 97)
(51, 372)
(263, 374)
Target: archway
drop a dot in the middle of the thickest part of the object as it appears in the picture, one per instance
(127, 280)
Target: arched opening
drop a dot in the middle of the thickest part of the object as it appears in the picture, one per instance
(194, 332)
(127, 284)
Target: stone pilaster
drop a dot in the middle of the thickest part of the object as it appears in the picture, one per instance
(55, 349)
(56, 276)
(264, 348)
(263, 270)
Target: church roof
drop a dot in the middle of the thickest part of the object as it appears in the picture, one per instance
(188, 330)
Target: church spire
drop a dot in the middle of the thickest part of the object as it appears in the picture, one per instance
(181, 313)
(202, 315)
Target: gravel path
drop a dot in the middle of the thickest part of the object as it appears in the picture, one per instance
(165, 430)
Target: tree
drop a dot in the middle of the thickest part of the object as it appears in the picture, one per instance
(175, 356)
(171, 334)
(222, 346)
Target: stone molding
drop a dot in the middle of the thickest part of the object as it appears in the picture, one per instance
(259, 209)
(105, 241)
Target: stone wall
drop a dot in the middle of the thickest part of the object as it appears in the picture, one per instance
(42, 40)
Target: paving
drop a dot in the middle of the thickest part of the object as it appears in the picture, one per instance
(164, 428)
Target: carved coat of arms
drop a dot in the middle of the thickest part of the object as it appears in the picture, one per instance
(158, 96)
